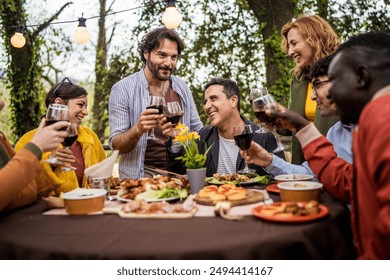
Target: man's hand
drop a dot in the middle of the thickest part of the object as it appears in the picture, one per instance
(48, 138)
(168, 129)
(287, 118)
(257, 155)
(150, 118)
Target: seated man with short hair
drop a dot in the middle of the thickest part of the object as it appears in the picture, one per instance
(222, 106)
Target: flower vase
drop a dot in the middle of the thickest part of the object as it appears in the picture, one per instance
(196, 177)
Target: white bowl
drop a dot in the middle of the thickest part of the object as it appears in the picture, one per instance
(300, 191)
(84, 201)
(293, 177)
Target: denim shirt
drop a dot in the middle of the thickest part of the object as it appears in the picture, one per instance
(339, 135)
(128, 99)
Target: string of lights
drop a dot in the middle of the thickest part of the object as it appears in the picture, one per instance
(171, 19)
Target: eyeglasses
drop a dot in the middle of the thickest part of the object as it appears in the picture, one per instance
(317, 84)
(60, 85)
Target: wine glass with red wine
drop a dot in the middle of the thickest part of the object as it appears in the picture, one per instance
(243, 136)
(56, 113)
(155, 102)
(255, 93)
(173, 113)
(262, 101)
(73, 133)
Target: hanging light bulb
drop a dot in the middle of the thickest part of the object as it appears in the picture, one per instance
(18, 40)
(171, 17)
(81, 35)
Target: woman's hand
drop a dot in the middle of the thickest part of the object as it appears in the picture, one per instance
(65, 155)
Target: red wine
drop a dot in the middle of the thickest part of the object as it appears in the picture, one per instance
(264, 118)
(174, 119)
(160, 108)
(50, 122)
(69, 140)
(259, 111)
(243, 141)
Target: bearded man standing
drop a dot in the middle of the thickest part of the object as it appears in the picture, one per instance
(130, 120)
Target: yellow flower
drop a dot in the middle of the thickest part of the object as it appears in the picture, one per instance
(192, 158)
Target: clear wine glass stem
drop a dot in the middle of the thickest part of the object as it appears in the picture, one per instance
(261, 129)
(280, 147)
(67, 166)
(151, 134)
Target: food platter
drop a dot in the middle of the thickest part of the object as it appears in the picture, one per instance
(156, 189)
(157, 216)
(156, 210)
(273, 188)
(251, 197)
(119, 198)
(252, 181)
(260, 212)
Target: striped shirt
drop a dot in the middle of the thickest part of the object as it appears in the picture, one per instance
(128, 99)
(227, 158)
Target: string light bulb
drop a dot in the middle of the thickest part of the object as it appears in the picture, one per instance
(171, 17)
(18, 40)
(82, 35)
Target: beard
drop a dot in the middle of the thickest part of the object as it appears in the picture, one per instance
(155, 70)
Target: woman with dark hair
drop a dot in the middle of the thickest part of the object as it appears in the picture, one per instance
(84, 152)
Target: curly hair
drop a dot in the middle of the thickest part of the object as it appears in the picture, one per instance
(317, 32)
(151, 41)
(320, 68)
(371, 48)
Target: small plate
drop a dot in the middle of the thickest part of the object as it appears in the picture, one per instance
(273, 188)
(257, 211)
(293, 177)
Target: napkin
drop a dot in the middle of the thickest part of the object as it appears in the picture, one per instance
(103, 168)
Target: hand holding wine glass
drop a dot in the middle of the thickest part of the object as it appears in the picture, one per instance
(155, 102)
(243, 136)
(264, 101)
(68, 142)
(255, 94)
(47, 138)
(55, 113)
(173, 113)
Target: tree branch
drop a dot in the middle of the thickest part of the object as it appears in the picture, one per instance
(51, 19)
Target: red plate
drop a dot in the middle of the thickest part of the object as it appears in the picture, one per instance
(324, 211)
(273, 188)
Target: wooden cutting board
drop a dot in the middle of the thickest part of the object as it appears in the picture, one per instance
(251, 197)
